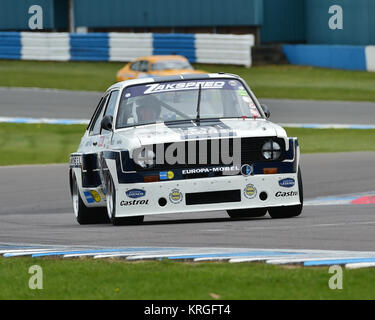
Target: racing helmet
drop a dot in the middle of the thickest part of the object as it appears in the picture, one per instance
(148, 109)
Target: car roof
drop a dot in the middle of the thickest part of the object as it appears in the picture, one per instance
(208, 76)
(156, 58)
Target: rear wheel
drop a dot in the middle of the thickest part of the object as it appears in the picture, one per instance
(111, 208)
(247, 213)
(289, 211)
(83, 214)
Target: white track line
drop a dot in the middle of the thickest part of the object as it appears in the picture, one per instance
(360, 265)
(318, 257)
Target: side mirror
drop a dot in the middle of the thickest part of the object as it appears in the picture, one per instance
(266, 110)
(106, 123)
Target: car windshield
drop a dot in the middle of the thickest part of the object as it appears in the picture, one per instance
(178, 101)
(171, 64)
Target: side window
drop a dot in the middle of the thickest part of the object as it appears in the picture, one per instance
(95, 113)
(95, 125)
(135, 66)
(111, 106)
(143, 66)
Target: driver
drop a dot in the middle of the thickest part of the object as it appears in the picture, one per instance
(148, 112)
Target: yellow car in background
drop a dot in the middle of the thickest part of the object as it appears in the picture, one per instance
(156, 66)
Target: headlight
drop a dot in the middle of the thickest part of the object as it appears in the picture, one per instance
(271, 150)
(144, 157)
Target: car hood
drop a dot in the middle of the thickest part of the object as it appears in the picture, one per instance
(174, 132)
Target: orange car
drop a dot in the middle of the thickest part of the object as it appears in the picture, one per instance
(155, 66)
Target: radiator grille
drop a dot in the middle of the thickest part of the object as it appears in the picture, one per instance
(198, 154)
(213, 197)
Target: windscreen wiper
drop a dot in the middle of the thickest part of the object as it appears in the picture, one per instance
(198, 118)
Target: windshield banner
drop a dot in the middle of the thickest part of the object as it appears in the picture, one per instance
(174, 86)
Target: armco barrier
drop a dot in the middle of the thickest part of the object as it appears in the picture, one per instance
(89, 47)
(331, 56)
(10, 45)
(225, 49)
(44, 46)
(201, 48)
(181, 44)
(128, 46)
(370, 58)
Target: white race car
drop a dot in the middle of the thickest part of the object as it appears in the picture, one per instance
(181, 144)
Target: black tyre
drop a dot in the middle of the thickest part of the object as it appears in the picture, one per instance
(83, 214)
(289, 211)
(111, 208)
(247, 213)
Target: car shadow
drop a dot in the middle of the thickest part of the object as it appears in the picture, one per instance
(199, 220)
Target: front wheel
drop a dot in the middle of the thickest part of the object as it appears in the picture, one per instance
(111, 208)
(289, 211)
(83, 214)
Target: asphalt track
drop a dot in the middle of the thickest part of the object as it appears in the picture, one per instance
(35, 206)
(36, 209)
(60, 104)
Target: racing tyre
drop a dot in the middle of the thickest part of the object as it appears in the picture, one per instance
(247, 213)
(111, 208)
(83, 214)
(289, 211)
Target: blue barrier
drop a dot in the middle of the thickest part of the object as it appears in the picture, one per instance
(327, 56)
(91, 47)
(223, 49)
(10, 45)
(98, 46)
(170, 44)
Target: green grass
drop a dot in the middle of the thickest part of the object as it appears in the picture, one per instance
(91, 76)
(333, 140)
(94, 279)
(309, 83)
(293, 82)
(43, 143)
(38, 143)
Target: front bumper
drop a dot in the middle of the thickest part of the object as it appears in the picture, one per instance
(223, 193)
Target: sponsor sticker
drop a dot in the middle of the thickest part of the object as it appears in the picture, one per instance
(254, 113)
(101, 141)
(75, 161)
(135, 193)
(250, 191)
(247, 99)
(125, 203)
(176, 86)
(166, 175)
(230, 169)
(217, 130)
(243, 93)
(246, 170)
(175, 196)
(91, 196)
(286, 194)
(102, 192)
(95, 195)
(287, 183)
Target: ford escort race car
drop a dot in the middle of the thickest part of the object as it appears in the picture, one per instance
(181, 144)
